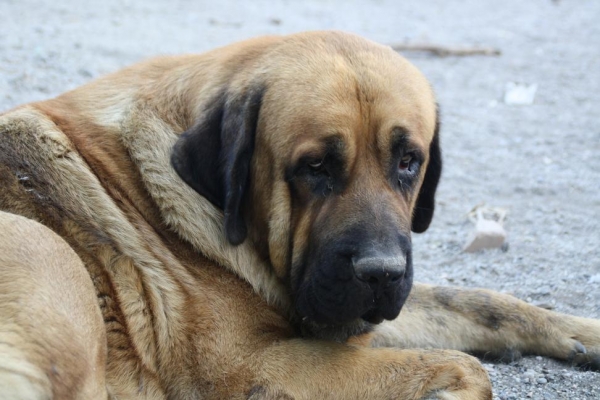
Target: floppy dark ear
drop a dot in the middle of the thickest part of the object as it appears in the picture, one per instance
(214, 156)
(423, 213)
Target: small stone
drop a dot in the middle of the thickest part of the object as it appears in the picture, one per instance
(542, 381)
(594, 278)
(543, 290)
(547, 306)
(489, 367)
(529, 374)
(85, 73)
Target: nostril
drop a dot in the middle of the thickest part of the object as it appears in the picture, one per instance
(396, 278)
(393, 276)
(380, 278)
(372, 280)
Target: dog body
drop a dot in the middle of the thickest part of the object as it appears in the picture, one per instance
(244, 217)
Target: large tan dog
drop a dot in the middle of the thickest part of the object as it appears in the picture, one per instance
(237, 225)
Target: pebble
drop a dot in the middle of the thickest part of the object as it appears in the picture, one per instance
(529, 374)
(594, 278)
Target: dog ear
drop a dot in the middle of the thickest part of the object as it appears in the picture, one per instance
(423, 212)
(213, 157)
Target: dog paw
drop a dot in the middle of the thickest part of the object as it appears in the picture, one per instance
(579, 342)
(459, 376)
(584, 359)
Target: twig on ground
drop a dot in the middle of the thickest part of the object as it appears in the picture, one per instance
(445, 51)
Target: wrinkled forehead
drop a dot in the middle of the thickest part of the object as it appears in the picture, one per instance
(362, 99)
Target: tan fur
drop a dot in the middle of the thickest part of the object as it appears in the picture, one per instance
(61, 352)
(186, 314)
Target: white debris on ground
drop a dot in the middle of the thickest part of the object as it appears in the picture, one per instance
(489, 232)
(520, 94)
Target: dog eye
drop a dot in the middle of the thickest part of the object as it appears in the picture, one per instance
(408, 166)
(318, 167)
(405, 162)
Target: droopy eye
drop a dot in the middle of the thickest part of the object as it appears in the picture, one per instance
(316, 165)
(405, 162)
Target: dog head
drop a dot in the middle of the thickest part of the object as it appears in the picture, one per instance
(323, 151)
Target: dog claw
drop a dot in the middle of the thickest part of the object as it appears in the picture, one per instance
(580, 348)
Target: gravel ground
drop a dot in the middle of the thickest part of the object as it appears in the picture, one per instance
(539, 161)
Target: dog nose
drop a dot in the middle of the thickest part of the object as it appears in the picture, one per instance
(380, 272)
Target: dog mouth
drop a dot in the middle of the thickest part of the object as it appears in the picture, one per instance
(325, 329)
(319, 326)
(334, 332)
(373, 317)
(345, 308)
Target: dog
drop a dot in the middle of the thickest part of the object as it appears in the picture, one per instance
(237, 225)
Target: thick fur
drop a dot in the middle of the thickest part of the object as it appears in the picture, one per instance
(195, 273)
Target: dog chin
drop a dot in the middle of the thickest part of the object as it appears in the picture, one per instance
(334, 332)
(315, 320)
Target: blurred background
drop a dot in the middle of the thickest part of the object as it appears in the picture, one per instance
(537, 158)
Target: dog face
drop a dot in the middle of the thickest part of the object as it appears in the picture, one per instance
(325, 157)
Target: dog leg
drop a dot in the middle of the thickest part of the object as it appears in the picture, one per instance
(301, 369)
(52, 338)
(490, 323)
